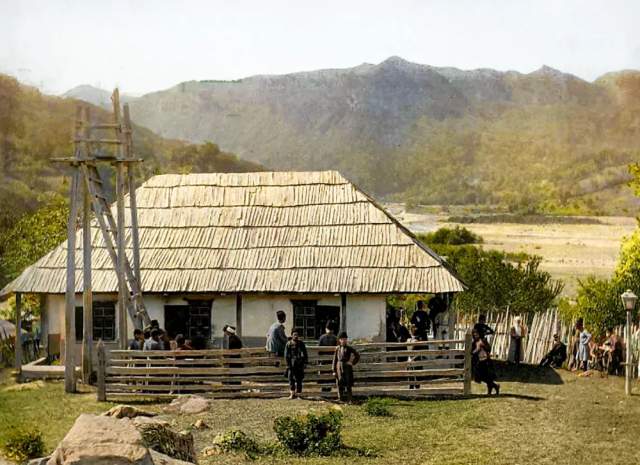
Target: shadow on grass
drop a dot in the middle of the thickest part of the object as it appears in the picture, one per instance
(523, 373)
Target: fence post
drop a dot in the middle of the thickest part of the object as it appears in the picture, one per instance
(102, 388)
(467, 363)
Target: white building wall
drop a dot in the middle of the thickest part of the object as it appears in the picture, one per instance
(365, 314)
(366, 317)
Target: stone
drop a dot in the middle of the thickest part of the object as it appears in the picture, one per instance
(161, 438)
(188, 404)
(101, 440)
(127, 411)
(200, 424)
(140, 421)
(161, 459)
(40, 461)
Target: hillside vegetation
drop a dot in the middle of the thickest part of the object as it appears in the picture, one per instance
(539, 142)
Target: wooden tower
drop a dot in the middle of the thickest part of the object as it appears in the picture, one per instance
(89, 154)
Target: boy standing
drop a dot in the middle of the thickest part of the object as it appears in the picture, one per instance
(344, 358)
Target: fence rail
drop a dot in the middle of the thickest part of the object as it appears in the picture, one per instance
(431, 368)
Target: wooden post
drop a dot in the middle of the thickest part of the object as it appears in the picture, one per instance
(44, 324)
(627, 366)
(87, 291)
(18, 338)
(123, 293)
(343, 312)
(239, 314)
(70, 295)
(468, 342)
(102, 387)
(133, 205)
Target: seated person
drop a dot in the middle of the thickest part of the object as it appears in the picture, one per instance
(557, 355)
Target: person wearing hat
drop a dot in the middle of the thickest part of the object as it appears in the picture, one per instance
(344, 358)
(516, 344)
(234, 340)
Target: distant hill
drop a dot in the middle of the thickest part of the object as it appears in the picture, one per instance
(543, 141)
(96, 96)
(35, 128)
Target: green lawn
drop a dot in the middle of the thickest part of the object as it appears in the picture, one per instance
(542, 417)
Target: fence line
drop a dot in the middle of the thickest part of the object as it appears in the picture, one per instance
(541, 328)
(429, 368)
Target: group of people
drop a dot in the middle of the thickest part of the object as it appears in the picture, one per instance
(153, 337)
(294, 351)
(424, 320)
(604, 355)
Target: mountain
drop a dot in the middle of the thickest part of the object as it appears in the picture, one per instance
(35, 128)
(96, 96)
(542, 141)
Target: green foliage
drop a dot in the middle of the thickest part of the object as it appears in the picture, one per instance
(162, 439)
(378, 407)
(451, 236)
(23, 444)
(312, 433)
(238, 441)
(32, 236)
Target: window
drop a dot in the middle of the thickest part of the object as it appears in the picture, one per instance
(310, 319)
(191, 320)
(104, 321)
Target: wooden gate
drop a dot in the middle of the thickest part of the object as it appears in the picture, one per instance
(429, 368)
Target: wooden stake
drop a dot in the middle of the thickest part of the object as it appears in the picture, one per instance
(239, 314)
(18, 339)
(468, 342)
(70, 295)
(44, 324)
(102, 388)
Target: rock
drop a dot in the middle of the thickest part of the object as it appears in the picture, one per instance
(162, 439)
(188, 404)
(40, 461)
(139, 421)
(200, 424)
(161, 459)
(127, 411)
(101, 440)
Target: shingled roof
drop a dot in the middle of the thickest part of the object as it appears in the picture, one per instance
(311, 232)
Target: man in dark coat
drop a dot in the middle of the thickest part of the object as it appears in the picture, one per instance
(420, 319)
(344, 358)
(295, 354)
(557, 355)
(276, 337)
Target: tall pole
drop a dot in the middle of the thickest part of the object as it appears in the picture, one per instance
(627, 367)
(120, 237)
(70, 295)
(18, 339)
(87, 291)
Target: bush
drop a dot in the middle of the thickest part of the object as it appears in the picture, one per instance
(448, 236)
(237, 441)
(23, 445)
(311, 433)
(378, 407)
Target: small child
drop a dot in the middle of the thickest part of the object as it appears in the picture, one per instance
(344, 358)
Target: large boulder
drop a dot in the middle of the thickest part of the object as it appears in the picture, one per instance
(188, 404)
(101, 440)
(106, 440)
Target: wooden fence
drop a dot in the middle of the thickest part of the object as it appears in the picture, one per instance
(541, 328)
(429, 368)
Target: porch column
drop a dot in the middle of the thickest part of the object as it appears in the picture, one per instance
(18, 339)
(239, 314)
(343, 312)
(87, 292)
(44, 325)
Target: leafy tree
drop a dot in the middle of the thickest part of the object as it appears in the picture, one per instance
(451, 236)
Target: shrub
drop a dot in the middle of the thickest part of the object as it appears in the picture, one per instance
(311, 433)
(237, 441)
(378, 407)
(21, 444)
(448, 236)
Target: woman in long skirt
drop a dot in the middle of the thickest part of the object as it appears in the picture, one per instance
(482, 365)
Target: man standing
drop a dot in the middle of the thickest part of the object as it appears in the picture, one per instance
(295, 353)
(138, 340)
(482, 327)
(153, 343)
(328, 339)
(344, 358)
(276, 337)
(420, 320)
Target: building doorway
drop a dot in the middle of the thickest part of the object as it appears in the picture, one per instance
(193, 320)
(310, 319)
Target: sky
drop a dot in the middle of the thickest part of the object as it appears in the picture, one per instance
(148, 45)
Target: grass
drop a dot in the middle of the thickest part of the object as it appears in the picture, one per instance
(542, 417)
